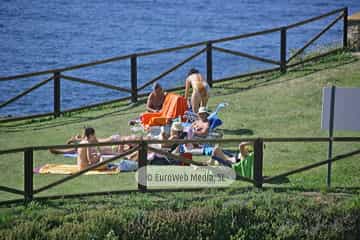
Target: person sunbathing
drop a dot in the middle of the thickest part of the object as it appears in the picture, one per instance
(200, 94)
(155, 99)
(241, 162)
(200, 127)
(109, 150)
(176, 132)
(88, 156)
(154, 102)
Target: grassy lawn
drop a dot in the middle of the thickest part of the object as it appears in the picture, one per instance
(271, 105)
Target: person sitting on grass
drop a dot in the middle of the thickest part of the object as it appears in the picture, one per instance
(241, 162)
(155, 99)
(154, 102)
(88, 156)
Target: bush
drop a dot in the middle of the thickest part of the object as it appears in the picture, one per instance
(260, 216)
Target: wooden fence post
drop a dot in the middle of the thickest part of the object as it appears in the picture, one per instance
(258, 162)
(283, 50)
(345, 28)
(28, 175)
(142, 165)
(57, 95)
(134, 91)
(209, 70)
(331, 134)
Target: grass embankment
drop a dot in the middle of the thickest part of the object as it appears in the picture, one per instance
(229, 214)
(272, 105)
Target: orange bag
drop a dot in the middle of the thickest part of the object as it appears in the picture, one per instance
(174, 106)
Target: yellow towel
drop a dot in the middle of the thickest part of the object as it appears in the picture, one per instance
(71, 169)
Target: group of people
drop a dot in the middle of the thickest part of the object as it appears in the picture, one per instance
(87, 156)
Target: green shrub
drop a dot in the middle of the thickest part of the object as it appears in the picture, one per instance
(262, 215)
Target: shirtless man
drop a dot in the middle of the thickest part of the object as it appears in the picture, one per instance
(200, 128)
(88, 155)
(155, 99)
(200, 94)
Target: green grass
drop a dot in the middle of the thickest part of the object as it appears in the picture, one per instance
(271, 105)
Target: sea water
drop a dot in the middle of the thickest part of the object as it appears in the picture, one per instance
(41, 35)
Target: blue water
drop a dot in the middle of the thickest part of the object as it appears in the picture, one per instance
(41, 35)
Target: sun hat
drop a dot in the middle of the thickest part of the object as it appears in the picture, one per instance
(203, 110)
(177, 126)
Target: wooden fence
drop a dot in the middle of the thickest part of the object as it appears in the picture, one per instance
(143, 146)
(57, 75)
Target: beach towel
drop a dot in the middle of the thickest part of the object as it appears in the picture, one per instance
(125, 165)
(174, 106)
(68, 169)
(70, 155)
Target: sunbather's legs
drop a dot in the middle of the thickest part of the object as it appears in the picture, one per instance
(108, 150)
(63, 151)
(113, 138)
(242, 148)
(78, 138)
(195, 101)
(204, 99)
(218, 153)
(120, 148)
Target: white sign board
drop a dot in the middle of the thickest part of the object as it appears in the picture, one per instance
(346, 111)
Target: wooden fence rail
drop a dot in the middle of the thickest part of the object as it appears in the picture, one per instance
(142, 146)
(208, 47)
(170, 70)
(36, 86)
(246, 55)
(316, 37)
